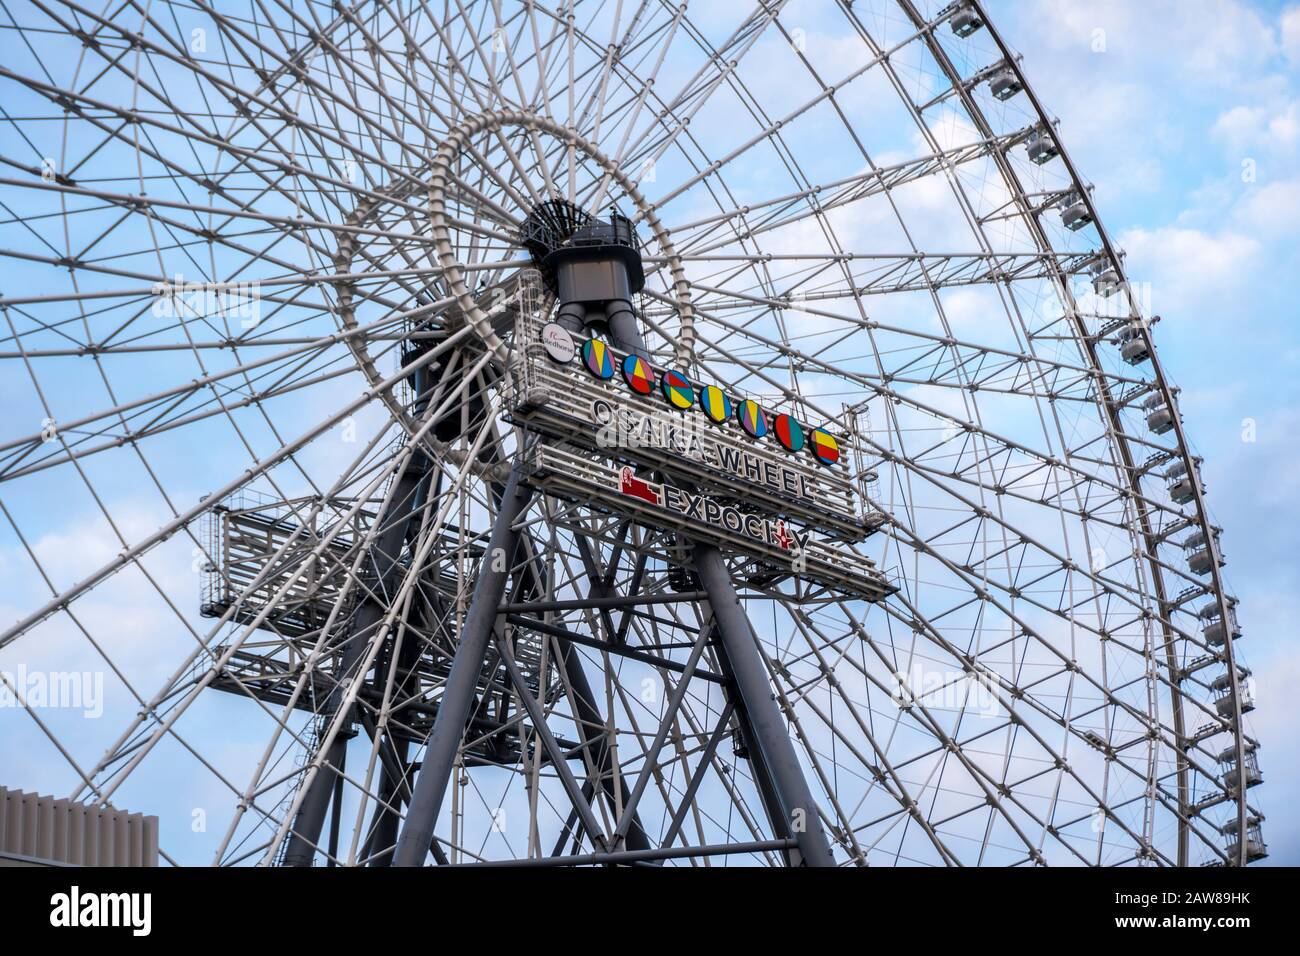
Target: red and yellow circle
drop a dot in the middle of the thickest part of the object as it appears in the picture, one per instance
(638, 374)
(824, 447)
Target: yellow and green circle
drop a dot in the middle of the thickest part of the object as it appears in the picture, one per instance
(678, 390)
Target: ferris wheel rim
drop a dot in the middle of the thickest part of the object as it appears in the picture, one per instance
(56, 602)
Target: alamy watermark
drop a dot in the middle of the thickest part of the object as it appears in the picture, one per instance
(75, 908)
(54, 690)
(229, 301)
(945, 690)
(1105, 297)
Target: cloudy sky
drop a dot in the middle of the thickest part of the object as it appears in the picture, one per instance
(1186, 116)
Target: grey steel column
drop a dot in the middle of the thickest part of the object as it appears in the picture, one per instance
(384, 822)
(623, 329)
(467, 665)
(775, 765)
(768, 730)
(406, 500)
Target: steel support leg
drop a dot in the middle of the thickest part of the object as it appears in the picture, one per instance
(406, 501)
(395, 784)
(758, 704)
(384, 822)
(467, 665)
(780, 779)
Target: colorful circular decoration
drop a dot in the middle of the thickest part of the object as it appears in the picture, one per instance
(825, 447)
(715, 403)
(678, 390)
(788, 432)
(597, 358)
(752, 418)
(638, 375)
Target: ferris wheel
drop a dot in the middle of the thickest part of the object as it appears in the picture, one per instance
(592, 433)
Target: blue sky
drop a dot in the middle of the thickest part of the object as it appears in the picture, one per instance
(1180, 102)
(1185, 114)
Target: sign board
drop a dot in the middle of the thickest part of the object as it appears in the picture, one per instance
(705, 439)
(782, 547)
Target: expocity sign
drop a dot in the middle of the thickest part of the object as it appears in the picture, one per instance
(781, 549)
(681, 457)
(698, 434)
(706, 509)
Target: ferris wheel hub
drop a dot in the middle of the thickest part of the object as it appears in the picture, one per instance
(425, 434)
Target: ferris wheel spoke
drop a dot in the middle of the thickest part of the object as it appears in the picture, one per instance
(719, 67)
(247, 43)
(137, 203)
(1145, 725)
(1054, 467)
(1043, 683)
(132, 552)
(921, 272)
(876, 769)
(908, 803)
(174, 408)
(634, 106)
(501, 141)
(297, 566)
(718, 300)
(794, 208)
(594, 112)
(981, 778)
(285, 167)
(522, 97)
(772, 131)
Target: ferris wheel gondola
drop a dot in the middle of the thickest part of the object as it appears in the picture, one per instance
(497, 433)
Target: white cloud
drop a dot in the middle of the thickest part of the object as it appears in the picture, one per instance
(1239, 125)
(1188, 267)
(1208, 41)
(1271, 210)
(1134, 106)
(1286, 127)
(1274, 126)
(1291, 34)
(1224, 36)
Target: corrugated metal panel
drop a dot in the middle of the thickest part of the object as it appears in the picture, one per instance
(37, 828)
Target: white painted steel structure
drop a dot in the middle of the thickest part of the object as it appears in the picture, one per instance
(269, 255)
